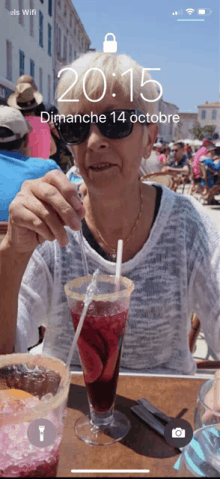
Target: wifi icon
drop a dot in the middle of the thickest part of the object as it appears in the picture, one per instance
(190, 11)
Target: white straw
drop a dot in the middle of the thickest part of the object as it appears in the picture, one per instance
(92, 288)
(83, 253)
(118, 264)
(78, 331)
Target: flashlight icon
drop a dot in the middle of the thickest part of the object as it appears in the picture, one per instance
(41, 429)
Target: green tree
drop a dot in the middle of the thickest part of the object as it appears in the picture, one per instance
(199, 132)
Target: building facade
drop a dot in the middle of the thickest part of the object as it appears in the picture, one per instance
(27, 37)
(209, 114)
(167, 130)
(187, 121)
(38, 38)
(71, 39)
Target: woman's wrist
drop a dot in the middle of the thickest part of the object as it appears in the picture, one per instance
(9, 253)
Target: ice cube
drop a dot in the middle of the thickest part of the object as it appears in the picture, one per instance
(14, 400)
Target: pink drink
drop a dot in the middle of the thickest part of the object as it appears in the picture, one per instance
(28, 392)
(100, 344)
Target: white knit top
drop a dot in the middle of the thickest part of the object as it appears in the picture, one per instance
(176, 271)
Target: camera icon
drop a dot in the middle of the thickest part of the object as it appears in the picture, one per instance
(178, 432)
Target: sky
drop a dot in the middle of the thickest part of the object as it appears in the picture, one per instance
(188, 52)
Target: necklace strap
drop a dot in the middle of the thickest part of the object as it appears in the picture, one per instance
(113, 251)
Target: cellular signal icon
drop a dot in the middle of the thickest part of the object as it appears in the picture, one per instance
(190, 11)
(180, 12)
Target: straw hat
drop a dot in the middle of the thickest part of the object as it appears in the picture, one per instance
(27, 79)
(13, 124)
(25, 98)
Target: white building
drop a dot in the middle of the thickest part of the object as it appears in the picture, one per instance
(187, 121)
(71, 39)
(26, 38)
(209, 114)
(29, 45)
(167, 130)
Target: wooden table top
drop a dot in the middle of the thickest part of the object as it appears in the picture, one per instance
(142, 448)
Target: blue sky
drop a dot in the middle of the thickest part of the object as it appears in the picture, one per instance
(186, 52)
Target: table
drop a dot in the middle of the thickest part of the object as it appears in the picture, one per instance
(142, 448)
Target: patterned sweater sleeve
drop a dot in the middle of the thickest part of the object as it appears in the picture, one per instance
(204, 285)
(34, 298)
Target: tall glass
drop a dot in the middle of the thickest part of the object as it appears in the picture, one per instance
(29, 392)
(201, 457)
(100, 345)
(207, 411)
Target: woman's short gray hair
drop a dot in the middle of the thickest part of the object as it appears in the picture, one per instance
(108, 63)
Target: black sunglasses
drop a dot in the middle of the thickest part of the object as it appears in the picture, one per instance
(116, 125)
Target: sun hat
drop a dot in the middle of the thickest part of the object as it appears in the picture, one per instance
(14, 124)
(206, 140)
(27, 79)
(25, 98)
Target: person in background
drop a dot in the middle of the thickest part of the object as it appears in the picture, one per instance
(213, 174)
(179, 163)
(150, 164)
(206, 142)
(188, 151)
(26, 99)
(163, 157)
(63, 156)
(29, 79)
(154, 149)
(168, 153)
(16, 166)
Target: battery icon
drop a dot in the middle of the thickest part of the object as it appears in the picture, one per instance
(204, 11)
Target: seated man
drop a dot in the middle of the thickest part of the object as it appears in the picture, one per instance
(179, 163)
(16, 166)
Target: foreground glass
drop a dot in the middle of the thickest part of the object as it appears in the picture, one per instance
(207, 410)
(100, 344)
(39, 376)
(201, 457)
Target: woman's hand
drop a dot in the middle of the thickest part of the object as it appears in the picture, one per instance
(40, 211)
(212, 400)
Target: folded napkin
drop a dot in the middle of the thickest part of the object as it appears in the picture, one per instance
(199, 463)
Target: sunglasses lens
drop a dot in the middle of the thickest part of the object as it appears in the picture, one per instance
(74, 133)
(117, 125)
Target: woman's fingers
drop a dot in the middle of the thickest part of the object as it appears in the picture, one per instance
(58, 195)
(58, 180)
(24, 218)
(44, 206)
(49, 196)
(46, 215)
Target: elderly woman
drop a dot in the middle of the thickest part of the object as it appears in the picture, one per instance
(171, 247)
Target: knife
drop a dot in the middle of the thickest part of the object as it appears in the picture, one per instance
(149, 419)
(154, 410)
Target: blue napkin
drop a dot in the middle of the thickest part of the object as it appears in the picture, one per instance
(199, 463)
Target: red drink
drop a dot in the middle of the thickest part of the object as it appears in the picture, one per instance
(100, 344)
(45, 469)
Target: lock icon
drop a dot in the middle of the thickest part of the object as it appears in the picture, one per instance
(110, 46)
